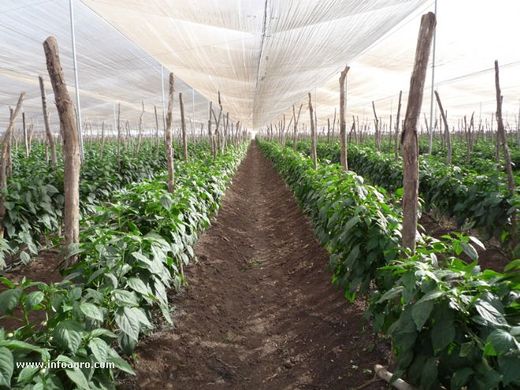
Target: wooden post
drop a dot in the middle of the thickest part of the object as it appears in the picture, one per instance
(48, 132)
(210, 134)
(295, 122)
(140, 129)
(168, 137)
(409, 139)
(446, 129)
(216, 144)
(71, 147)
(314, 154)
(119, 134)
(505, 148)
(183, 128)
(4, 160)
(376, 125)
(397, 122)
(342, 120)
(333, 122)
(328, 130)
(156, 124)
(25, 136)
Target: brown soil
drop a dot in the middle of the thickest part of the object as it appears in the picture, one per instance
(493, 257)
(43, 268)
(259, 311)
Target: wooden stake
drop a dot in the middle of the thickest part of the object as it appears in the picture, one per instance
(48, 132)
(140, 129)
(156, 124)
(377, 129)
(25, 136)
(71, 147)
(4, 160)
(505, 148)
(342, 120)
(397, 123)
(168, 136)
(446, 129)
(409, 139)
(314, 154)
(183, 129)
(295, 124)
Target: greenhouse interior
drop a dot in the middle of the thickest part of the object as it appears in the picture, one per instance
(259, 194)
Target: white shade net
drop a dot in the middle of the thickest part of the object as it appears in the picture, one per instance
(111, 69)
(263, 56)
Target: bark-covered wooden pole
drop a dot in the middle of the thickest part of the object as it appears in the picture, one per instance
(314, 154)
(48, 132)
(342, 119)
(409, 139)
(376, 127)
(505, 148)
(25, 136)
(295, 124)
(183, 128)
(447, 135)
(397, 122)
(168, 136)
(119, 132)
(4, 159)
(140, 128)
(156, 124)
(71, 147)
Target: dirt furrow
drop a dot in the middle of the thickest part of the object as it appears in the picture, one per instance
(259, 311)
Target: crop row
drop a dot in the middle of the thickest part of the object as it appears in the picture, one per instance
(449, 323)
(34, 198)
(473, 200)
(132, 251)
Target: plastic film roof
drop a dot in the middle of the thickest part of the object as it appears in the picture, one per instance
(262, 55)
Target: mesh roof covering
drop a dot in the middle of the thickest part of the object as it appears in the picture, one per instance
(263, 55)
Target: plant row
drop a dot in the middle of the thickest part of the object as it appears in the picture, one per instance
(34, 198)
(473, 200)
(132, 251)
(450, 324)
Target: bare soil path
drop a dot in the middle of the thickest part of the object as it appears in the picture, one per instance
(259, 311)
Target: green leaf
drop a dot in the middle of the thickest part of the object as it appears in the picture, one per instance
(68, 335)
(166, 201)
(489, 313)
(125, 298)
(429, 374)
(27, 374)
(6, 367)
(102, 332)
(9, 299)
(502, 341)
(121, 364)
(91, 311)
(34, 299)
(99, 349)
(77, 376)
(421, 312)
(127, 322)
(138, 285)
(460, 378)
(431, 295)
(470, 251)
(442, 334)
(510, 368)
